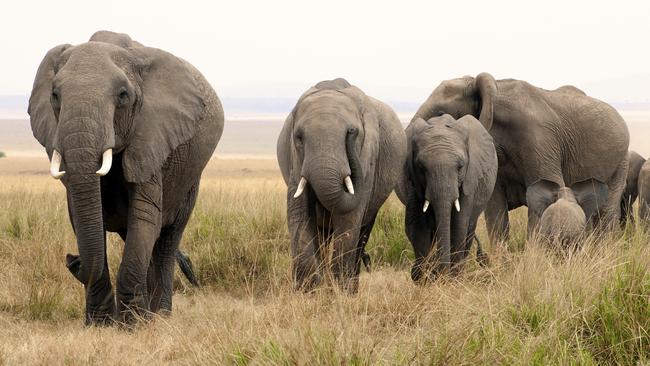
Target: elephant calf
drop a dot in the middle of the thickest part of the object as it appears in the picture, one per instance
(337, 151)
(128, 130)
(563, 221)
(449, 175)
(631, 191)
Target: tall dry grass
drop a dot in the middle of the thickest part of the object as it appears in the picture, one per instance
(530, 306)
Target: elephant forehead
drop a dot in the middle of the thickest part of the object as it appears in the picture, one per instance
(439, 134)
(96, 51)
(326, 108)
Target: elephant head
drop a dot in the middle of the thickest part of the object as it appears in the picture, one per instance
(564, 220)
(463, 96)
(449, 163)
(332, 141)
(106, 97)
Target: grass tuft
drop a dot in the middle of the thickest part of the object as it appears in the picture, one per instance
(531, 305)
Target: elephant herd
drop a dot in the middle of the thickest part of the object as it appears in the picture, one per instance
(129, 129)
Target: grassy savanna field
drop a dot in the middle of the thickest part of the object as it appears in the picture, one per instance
(529, 306)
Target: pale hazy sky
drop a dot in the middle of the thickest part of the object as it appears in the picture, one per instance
(398, 50)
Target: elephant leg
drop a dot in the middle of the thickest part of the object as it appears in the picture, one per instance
(305, 242)
(144, 221)
(616, 187)
(161, 269)
(345, 259)
(538, 197)
(460, 234)
(420, 233)
(496, 216)
(364, 236)
(591, 195)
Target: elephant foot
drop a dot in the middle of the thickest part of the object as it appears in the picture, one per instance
(100, 319)
(102, 314)
(308, 283)
(133, 309)
(349, 285)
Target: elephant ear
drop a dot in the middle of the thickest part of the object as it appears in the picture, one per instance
(370, 117)
(407, 183)
(171, 108)
(486, 88)
(481, 156)
(40, 110)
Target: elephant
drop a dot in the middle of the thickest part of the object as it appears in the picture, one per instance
(128, 130)
(545, 140)
(563, 221)
(338, 152)
(448, 177)
(644, 192)
(631, 186)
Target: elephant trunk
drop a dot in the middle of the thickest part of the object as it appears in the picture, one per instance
(426, 110)
(330, 181)
(86, 159)
(444, 199)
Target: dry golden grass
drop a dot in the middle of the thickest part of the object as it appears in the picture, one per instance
(530, 306)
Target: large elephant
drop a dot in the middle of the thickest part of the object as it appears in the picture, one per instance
(128, 130)
(643, 185)
(545, 139)
(635, 162)
(338, 152)
(563, 221)
(451, 165)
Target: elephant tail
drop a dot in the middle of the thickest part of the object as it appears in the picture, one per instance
(185, 264)
(481, 256)
(365, 258)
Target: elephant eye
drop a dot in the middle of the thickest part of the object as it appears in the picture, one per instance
(55, 99)
(298, 137)
(123, 96)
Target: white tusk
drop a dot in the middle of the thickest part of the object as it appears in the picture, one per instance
(301, 187)
(107, 161)
(457, 205)
(426, 205)
(55, 165)
(349, 185)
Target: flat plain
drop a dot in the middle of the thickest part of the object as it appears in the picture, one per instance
(531, 305)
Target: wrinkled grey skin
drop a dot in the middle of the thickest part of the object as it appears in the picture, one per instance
(644, 192)
(163, 121)
(446, 159)
(635, 162)
(334, 131)
(563, 221)
(545, 139)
